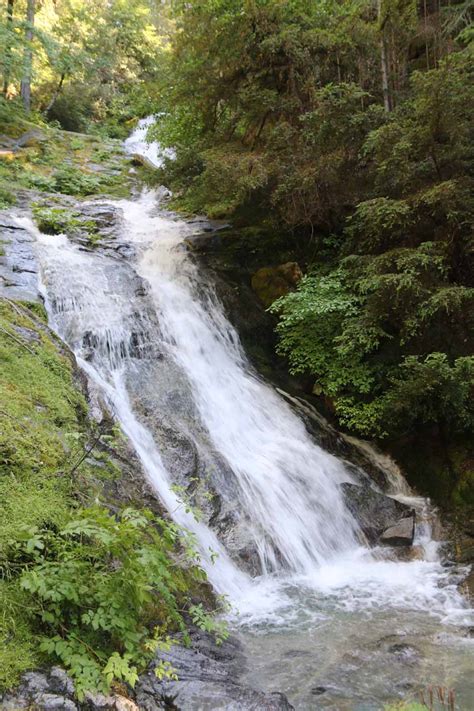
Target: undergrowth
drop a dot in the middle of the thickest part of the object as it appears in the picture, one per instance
(94, 589)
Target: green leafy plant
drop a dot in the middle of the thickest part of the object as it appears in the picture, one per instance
(72, 181)
(55, 220)
(104, 591)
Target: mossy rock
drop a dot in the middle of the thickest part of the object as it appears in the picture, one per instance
(270, 283)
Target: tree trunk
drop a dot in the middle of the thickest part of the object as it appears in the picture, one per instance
(387, 99)
(8, 54)
(25, 89)
(55, 95)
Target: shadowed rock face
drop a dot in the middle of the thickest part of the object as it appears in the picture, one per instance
(208, 680)
(382, 519)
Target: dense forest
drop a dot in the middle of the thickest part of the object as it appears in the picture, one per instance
(348, 125)
(338, 134)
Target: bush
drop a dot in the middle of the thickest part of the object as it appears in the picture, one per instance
(45, 183)
(55, 220)
(104, 591)
(71, 181)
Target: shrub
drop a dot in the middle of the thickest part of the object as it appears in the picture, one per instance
(55, 220)
(72, 181)
(103, 591)
(45, 183)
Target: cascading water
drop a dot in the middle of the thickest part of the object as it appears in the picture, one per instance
(156, 343)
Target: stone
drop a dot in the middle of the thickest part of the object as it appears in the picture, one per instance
(44, 691)
(208, 680)
(18, 263)
(6, 141)
(109, 702)
(318, 690)
(269, 283)
(31, 138)
(401, 534)
(377, 513)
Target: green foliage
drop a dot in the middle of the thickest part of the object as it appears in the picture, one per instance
(55, 220)
(388, 332)
(278, 104)
(94, 585)
(71, 181)
(95, 591)
(6, 198)
(92, 62)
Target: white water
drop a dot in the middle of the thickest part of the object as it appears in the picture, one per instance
(287, 486)
(137, 144)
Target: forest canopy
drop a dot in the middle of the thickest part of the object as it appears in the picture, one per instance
(86, 65)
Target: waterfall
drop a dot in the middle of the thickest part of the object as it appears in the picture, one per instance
(288, 486)
(154, 340)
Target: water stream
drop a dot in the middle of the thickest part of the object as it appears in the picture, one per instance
(327, 621)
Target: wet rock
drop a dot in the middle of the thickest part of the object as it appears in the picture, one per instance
(364, 460)
(209, 680)
(18, 263)
(376, 513)
(53, 690)
(269, 283)
(45, 691)
(27, 334)
(398, 649)
(6, 141)
(409, 553)
(106, 217)
(138, 159)
(109, 702)
(401, 534)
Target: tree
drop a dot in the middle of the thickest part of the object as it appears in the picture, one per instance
(25, 90)
(7, 50)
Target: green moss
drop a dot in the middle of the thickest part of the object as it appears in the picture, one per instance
(18, 651)
(39, 403)
(37, 309)
(45, 481)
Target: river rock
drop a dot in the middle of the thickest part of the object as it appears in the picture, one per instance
(379, 515)
(208, 680)
(401, 534)
(45, 691)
